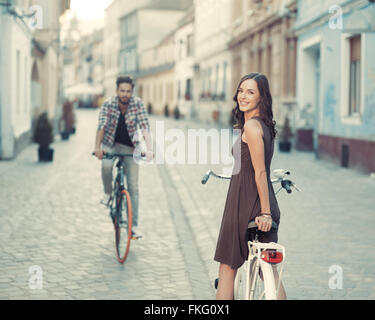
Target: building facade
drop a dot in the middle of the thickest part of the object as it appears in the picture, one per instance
(142, 29)
(212, 94)
(155, 82)
(15, 60)
(31, 71)
(184, 65)
(263, 41)
(336, 79)
(112, 40)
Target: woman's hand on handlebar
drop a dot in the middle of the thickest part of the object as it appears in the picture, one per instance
(264, 223)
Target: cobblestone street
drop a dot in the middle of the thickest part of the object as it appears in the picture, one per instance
(50, 217)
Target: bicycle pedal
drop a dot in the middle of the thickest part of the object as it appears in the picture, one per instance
(136, 237)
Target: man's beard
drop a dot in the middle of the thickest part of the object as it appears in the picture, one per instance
(124, 100)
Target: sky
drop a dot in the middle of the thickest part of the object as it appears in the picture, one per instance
(89, 9)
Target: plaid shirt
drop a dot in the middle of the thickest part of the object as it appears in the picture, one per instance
(135, 116)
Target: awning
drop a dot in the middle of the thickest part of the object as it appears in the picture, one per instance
(84, 89)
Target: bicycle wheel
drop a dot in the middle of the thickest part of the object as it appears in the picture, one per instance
(262, 283)
(123, 225)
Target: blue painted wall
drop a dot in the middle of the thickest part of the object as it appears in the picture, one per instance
(331, 55)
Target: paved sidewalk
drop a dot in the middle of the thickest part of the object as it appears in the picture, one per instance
(50, 217)
(327, 228)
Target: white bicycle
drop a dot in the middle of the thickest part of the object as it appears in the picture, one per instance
(255, 279)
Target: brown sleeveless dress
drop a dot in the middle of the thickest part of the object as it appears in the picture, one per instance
(243, 204)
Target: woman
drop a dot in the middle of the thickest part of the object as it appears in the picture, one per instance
(250, 194)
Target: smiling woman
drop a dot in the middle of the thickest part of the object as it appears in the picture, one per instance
(88, 9)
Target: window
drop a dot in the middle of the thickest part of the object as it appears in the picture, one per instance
(190, 46)
(18, 79)
(355, 75)
(26, 73)
(224, 79)
(250, 62)
(216, 90)
(269, 63)
(237, 9)
(209, 79)
(188, 89)
(131, 26)
(260, 61)
(203, 82)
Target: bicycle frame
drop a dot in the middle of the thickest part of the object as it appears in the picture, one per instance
(120, 173)
(120, 177)
(255, 251)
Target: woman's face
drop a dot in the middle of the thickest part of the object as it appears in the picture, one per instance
(248, 95)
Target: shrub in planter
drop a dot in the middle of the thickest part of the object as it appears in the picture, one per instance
(176, 113)
(43, 135)
(285, 135)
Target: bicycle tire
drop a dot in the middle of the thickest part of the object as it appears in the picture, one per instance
(123, 232)
(240, 283)
(262, 281)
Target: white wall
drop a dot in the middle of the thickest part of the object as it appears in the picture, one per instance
(20, 100)
(184, 67)
(210, 43)
(15, 83)
(112, 41)
(153, 25)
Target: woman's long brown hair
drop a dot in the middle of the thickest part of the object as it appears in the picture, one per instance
(265, 103)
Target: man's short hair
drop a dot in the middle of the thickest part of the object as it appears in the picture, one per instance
(124, 79)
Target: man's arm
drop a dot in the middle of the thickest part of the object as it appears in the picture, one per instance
(98, 144)
(100, 132)
(145, 126)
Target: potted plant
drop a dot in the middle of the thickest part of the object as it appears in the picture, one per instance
(176, 113)
(44, 137)
(285, 135)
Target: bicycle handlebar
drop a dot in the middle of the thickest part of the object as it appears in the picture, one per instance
(107, 155)
(286, 184)
(210, 172)
(206, 177)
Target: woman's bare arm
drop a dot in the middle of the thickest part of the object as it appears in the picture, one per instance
(254, 139)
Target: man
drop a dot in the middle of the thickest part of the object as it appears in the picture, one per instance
(119, 118)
